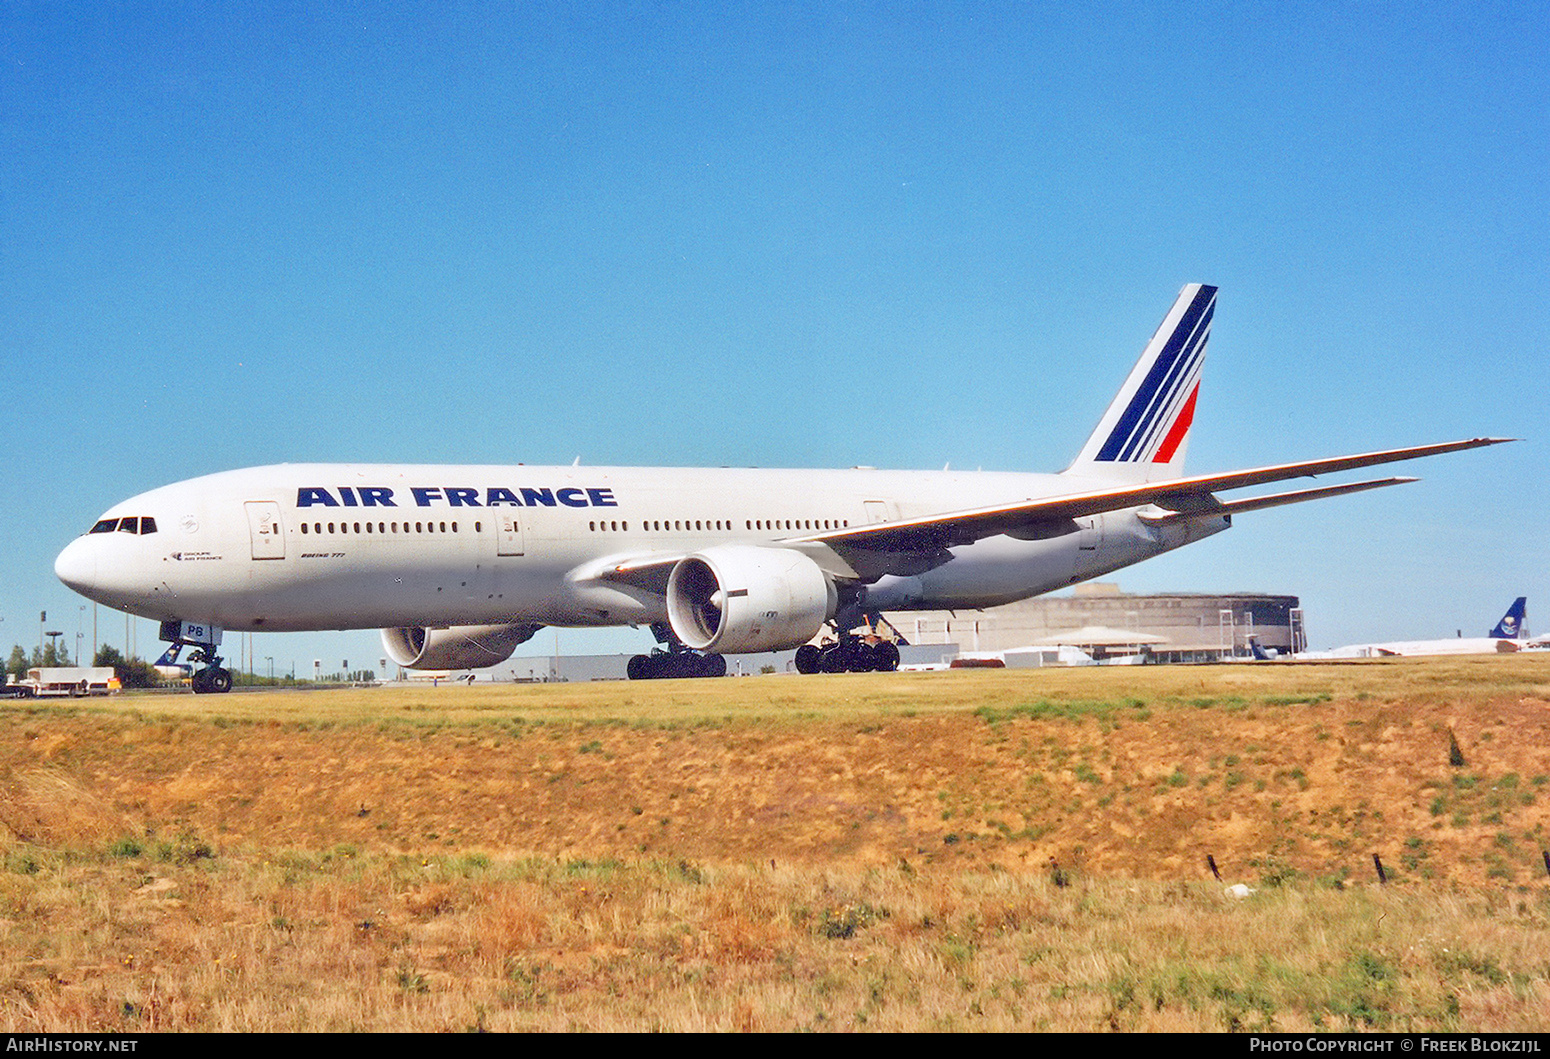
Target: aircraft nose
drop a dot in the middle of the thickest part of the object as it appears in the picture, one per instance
(77, 566)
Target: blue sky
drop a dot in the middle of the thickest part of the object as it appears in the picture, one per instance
(785, 234)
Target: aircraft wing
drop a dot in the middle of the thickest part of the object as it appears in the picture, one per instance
(1187, 496)
(918, 544)
(649, 572)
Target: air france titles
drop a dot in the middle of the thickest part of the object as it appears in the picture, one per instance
(453, 496)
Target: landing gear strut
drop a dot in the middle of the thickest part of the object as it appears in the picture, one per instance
(212, 679)
(674, 660)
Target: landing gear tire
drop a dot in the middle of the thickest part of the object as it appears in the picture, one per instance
(212, 681)
(809, 659)
(831, 659)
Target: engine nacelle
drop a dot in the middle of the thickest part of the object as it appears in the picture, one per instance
(458, 647)
(736, 598)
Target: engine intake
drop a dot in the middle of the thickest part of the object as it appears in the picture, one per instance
(457, 647)
(737, 598)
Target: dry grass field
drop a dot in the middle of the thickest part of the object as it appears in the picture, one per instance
(962, 850)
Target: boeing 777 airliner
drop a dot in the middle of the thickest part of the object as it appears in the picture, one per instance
(460, 564)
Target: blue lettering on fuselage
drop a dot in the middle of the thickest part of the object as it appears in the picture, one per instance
(452, 496)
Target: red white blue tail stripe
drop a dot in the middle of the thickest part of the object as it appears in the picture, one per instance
(1144, 431)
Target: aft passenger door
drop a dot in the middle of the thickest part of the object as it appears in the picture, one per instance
(265, 529)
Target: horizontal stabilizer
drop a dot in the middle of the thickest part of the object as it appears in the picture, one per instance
(1259, 503)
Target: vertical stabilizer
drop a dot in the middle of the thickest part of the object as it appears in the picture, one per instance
(1511, 625)
(1143, 435)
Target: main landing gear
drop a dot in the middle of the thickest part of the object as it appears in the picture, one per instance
(212, 679)
(876, 650)
(849, 654)
(675, 661)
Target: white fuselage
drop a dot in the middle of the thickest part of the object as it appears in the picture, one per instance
(347, 546)
(1474, 645)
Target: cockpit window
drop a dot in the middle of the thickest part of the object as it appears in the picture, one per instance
(140, 524)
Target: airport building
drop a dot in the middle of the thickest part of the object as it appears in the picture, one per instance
(1102, 621)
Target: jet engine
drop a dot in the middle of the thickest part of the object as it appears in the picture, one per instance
(736, 598)
(457, 647)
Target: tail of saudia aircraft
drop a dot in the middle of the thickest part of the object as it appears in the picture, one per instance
(1143, 435)
(1511, 625)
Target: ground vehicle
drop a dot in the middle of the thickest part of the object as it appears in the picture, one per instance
(74, 681)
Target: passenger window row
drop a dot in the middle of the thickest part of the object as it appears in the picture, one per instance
(800, 523)
(383, 528)
(701, 525)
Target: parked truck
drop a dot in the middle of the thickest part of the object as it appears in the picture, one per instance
(74, 681)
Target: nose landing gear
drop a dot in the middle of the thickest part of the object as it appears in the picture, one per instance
(212, 678)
